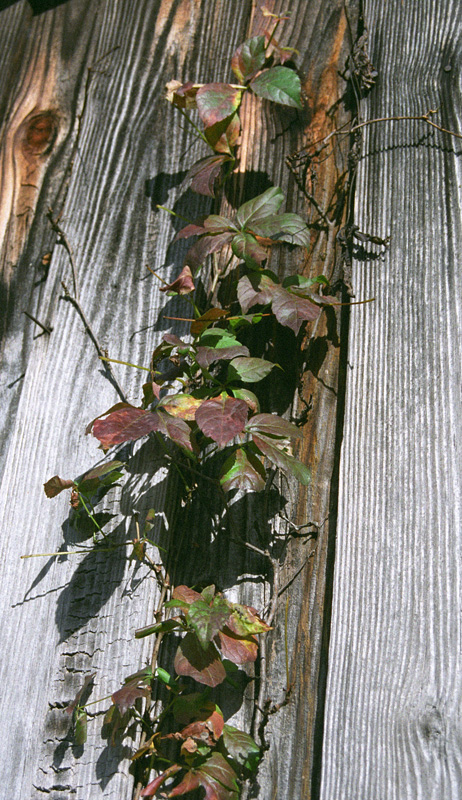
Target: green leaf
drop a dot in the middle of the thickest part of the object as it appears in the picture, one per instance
(284, 228)
(80, 726)
(279, 84)
(249, 57)
(260, 207)
(249, 370)
(241, 747)
(245, 246)
(243, 471)
(158, 627)
(218, 338)
(216, 102)
(282, 459)
(250, 398)
(207, 619)
(218, 779)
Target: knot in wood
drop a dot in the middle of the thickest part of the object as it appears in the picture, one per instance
(39, 133)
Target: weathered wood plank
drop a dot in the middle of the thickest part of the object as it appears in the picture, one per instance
(392, 726)
(97, 73)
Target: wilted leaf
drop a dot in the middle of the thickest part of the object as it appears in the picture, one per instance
(208, 730)
(272, 425)
(184, 284)
(180, 405)
(56, 485)
(249, 370)
(245, 246)
(205, 356)
(241, 747)
(249, 57)
(280, 85)
(284, 228)
(204, 246)
(282, 459)
(222, 418)
(260, 207)
(243, 471)
(291, 310)
(217, 101)
(204, 666)
(124, 426)
(207, 619)
(203, 175)
(181, 95)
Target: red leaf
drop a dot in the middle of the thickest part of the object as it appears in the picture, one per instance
(218, 778)
(56, 485)
(282, 459)
(216, 102)
(125, 425)
(222, 418)
(204, 666)
(204, 246)
(273, 425)
(189, 782)
(154, 785)
(185, 594)
(207, 731)
(238, 649)
(203, 322)
(203, 175)
(208, 355)
(125, 697)
(184, 284)
(175, 429)
(224, 135)
(253, 289)
(291, 310)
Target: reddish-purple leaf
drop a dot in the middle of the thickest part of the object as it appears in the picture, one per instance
(204, 246)
(216, 102)
(272, 425)
(282, 459)
(218, 778)
(214, 223)
(56, 485)
(208, 355)
(253, 289)
(204, 666)
(291, 310)
(152, 787)
(245, 246)
(126, 425)
(249, 397)
(188, 784)
(249, 370)
(185, 594)
(194, 706)
(222, 418)
(116, 407)
(208, 618)
(224, 135)
(170, 338)
(238, 649)
(184, 284)
(175, 429)
(193, 229)
(249, 57)
(207, 731)
(180, 405)
(203, 175)
(126, 697)
(243, 471)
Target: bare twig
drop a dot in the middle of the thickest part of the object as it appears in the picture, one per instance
(44, 328)
(62, 239)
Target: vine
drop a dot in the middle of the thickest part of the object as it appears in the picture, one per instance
(201, 406)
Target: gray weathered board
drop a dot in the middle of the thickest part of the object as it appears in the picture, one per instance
(85, 131)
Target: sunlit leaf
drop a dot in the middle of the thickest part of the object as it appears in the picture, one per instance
(218, 778)
(236, 648)
(214, 223)
(185, 594)
(272, 425)
(181, 95)
(249, 397)
(152, 787)
(284, 228)
(243, 471)
(260, 207)
(222, 418)
(280, 85)
(249, 57)
(223, 135)
(282, 459)
(249, 370)
(124, 426)
(291, 310)
(204, 666)
(207, 619)
(208, 730)
(180, 405)
(245, 621)
(55, 485)
(216, 102)
(126, 697)
(245, 246)
(184, 284)
(255, 289)
(241, 747)
(176, 429)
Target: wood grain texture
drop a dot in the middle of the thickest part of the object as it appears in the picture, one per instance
(393, 725)
(86, 132)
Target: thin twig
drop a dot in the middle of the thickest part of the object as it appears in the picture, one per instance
(62, 239)
(44, 328)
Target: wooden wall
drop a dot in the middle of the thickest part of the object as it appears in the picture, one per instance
(86, 132)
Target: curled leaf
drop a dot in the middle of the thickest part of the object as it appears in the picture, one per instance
(184, 284)
(56, 485)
